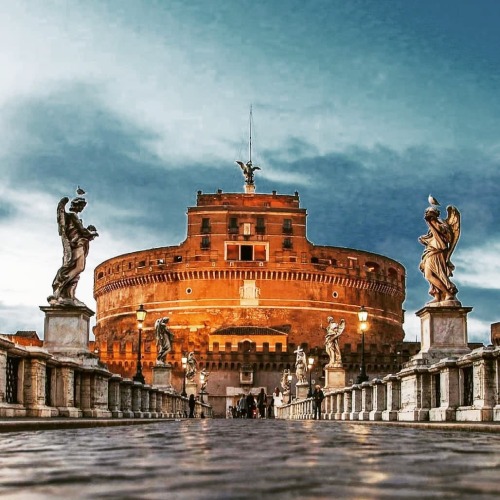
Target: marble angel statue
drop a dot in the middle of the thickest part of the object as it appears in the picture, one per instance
(76, 240)
(440, 242)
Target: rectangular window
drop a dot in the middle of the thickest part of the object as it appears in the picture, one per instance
(259, 253)
(205, 225)
(233, 252)
(287, 226)
(205, 242)
(246, 252)
(287, 243)
(247, 229)
(260, 228)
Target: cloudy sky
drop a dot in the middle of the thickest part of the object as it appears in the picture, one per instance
(364, 107)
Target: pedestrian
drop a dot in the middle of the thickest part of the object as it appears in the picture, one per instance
(250, 405)
(192, 404)
(261, 403)
(277, 398)
(318, 397)
(242, 406)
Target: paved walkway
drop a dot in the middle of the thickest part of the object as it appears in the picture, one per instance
(241, 458)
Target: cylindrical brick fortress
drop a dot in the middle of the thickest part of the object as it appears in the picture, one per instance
(246, 273)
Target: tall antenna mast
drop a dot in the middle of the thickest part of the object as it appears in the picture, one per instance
(250, 144)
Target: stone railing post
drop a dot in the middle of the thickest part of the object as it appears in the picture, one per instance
(339, 395)
(145, 401)
(355, 402)
(153, 394)
(126, 398)
(137, 399)
(392, 397)
(114, 397)
(366, 400)
(378, 400)
(347, 405)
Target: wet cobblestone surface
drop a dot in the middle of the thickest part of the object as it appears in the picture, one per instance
(239, 459)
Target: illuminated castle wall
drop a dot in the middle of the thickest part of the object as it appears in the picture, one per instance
(246, 288)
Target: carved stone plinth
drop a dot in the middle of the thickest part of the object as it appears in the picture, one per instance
(191, 387)
(334, 377)
(66, 329)
(443, 331)
(162, 377)
(302, 388)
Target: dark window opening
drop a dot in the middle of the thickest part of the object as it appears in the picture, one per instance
(246, 252)
(287, 243)
(260, 228)
(205, 225)
(233, 224)
(287, 226)
(205, 243)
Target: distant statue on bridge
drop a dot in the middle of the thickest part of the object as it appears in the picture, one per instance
(75, 241)
(285, 384)
(440, 242)
(333, 332)
(300, 366)
(164, 340)
(248, 170)
(191, 366)
(204, 379)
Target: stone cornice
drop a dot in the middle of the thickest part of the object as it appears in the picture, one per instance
(244, 274)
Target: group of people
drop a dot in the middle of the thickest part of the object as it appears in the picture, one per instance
(262, 406)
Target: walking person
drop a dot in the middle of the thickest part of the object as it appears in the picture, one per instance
(318, 397)
(192, 404)
(250, 405)
(242, 406)
(276, 401)
(261, 403)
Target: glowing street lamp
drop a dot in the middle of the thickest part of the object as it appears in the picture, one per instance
(310, 363)
(363, 325)
(141, 316)
(184, 361)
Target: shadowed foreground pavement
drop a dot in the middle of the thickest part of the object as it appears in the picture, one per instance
(236, 459)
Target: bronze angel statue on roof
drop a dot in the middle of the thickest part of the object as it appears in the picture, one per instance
(248, 170)
(440, 242)
(75, 241)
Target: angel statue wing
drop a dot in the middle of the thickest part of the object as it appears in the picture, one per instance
(453, 221)
(341, 326)
(61, 224)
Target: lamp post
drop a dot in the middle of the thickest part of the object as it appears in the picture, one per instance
(363, 325)
(141, 316)
(310, 363)
(184, 360)
(202, 379)
(289, 377)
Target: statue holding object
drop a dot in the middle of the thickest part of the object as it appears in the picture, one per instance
(333, 332)
(164, 340)
(440, 242)
(76, 241)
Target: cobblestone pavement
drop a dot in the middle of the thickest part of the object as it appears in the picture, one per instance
(239, 459)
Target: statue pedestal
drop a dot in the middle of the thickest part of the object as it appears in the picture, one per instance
(302, 388)
(162, 377)
(334, 377)
(191, 387)
(443, 331)
(66, 329)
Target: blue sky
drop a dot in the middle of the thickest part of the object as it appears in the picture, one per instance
(363, 107)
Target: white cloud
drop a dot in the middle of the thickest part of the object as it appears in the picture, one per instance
(479, 266)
